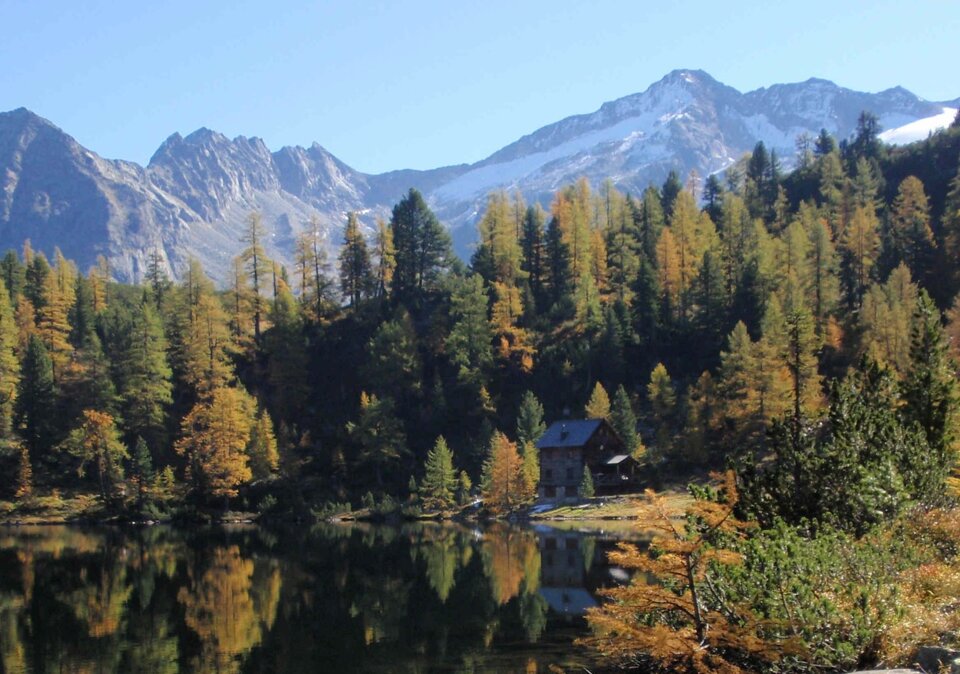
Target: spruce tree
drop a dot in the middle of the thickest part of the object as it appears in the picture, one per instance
(35, 408)
(624, 422)
(530, 424)
(143, 377)
(586, 489)
(141, 469)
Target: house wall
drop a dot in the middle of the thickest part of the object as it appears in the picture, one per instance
(561, 470)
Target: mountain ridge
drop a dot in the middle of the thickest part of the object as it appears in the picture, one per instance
(193, 196)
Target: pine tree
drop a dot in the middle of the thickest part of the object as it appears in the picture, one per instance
(598, 407)
(422, 247)
(356, 273)
(930, 390)
(672, 187)
(440, 478)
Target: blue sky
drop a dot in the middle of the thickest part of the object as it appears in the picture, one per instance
(387, 85)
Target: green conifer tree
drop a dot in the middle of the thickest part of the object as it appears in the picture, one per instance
(440, 478)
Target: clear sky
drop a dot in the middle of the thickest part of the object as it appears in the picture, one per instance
(387, 85)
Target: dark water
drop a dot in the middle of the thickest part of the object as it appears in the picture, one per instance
(331, 598)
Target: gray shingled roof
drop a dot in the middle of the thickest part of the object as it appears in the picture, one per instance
(569, 433)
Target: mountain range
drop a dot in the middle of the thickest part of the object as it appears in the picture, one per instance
(194, 196)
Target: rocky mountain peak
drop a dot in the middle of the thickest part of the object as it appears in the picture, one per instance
(195, 194)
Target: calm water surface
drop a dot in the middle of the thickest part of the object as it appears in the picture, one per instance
(331, 598)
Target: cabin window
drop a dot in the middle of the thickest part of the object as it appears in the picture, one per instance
(548, 474)
(550, 492)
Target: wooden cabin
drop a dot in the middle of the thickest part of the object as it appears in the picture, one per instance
(567, 446)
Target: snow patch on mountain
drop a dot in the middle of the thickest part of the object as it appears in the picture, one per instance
(912, 131)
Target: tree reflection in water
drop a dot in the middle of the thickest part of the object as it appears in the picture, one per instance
(342, 598)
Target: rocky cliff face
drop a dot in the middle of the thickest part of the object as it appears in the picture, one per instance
(196, 193)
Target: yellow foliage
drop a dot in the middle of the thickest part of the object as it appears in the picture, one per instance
(214, 437)
(662, 615)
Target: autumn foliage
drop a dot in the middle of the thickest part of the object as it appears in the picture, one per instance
(671, 616)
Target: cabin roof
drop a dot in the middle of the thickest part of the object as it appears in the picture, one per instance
(569, 433)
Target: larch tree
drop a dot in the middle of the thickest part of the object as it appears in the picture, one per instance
(801, 362)
(663, 401)
(598, 407)
(9, 363)
(97, 441)
(202, 340)
(53, 325)
(910, 235)
(385, 254)
(670, 615)
(886, 320)
(440, 478)
(262, 447)
(504, 486)
(861, 243)
(257, 266)
(214, 438)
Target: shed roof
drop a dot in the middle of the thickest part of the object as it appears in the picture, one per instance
(569, 433)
